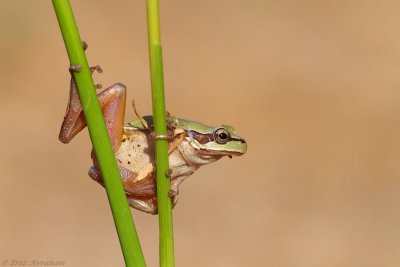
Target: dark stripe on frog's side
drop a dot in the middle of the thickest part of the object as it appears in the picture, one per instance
(202, 133)
(206, 138)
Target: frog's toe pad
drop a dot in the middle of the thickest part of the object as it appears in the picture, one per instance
(172, 193)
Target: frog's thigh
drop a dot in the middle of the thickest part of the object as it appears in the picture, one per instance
(147, 205)
(95, 174)
(112, 101)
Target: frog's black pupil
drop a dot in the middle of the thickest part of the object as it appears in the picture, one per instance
(223, 136)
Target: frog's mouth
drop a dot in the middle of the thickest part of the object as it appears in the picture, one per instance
(206, 152)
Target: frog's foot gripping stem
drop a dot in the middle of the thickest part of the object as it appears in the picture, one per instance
(75, 68)
(175, 183)
(84, 45)
(173, 189)
(174, 140)
(99, 70)
(96, 68)
(78, 68)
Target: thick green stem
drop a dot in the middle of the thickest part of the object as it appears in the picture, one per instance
(161, 146)
(98, 134)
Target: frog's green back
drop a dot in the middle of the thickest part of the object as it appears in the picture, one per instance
(193, 125)
(138, 124)
(179, 123)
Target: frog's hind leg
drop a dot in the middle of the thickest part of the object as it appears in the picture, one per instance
(74, 119)
(148, 205)
(112, 102)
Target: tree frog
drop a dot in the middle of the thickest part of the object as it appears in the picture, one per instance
(191, 145)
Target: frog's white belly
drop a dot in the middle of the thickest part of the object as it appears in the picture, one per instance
(136, 154)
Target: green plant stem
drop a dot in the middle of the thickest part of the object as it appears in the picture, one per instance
(161, 146)
(98, 133)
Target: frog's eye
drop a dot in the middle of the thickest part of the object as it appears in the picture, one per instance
(221, 136)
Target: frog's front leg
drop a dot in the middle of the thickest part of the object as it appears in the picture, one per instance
(174, 186)
(112, 103)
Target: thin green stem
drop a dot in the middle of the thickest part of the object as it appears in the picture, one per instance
(161, 146)
(98, 134)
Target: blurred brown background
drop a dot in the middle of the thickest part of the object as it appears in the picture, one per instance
(314, 87)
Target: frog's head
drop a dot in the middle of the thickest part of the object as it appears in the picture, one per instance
(212, 141)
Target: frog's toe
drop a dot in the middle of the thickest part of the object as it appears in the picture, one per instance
(168, 173)
(75, 68)
(84, 45)
(173, 193)
(95, 175)
(96, 68)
